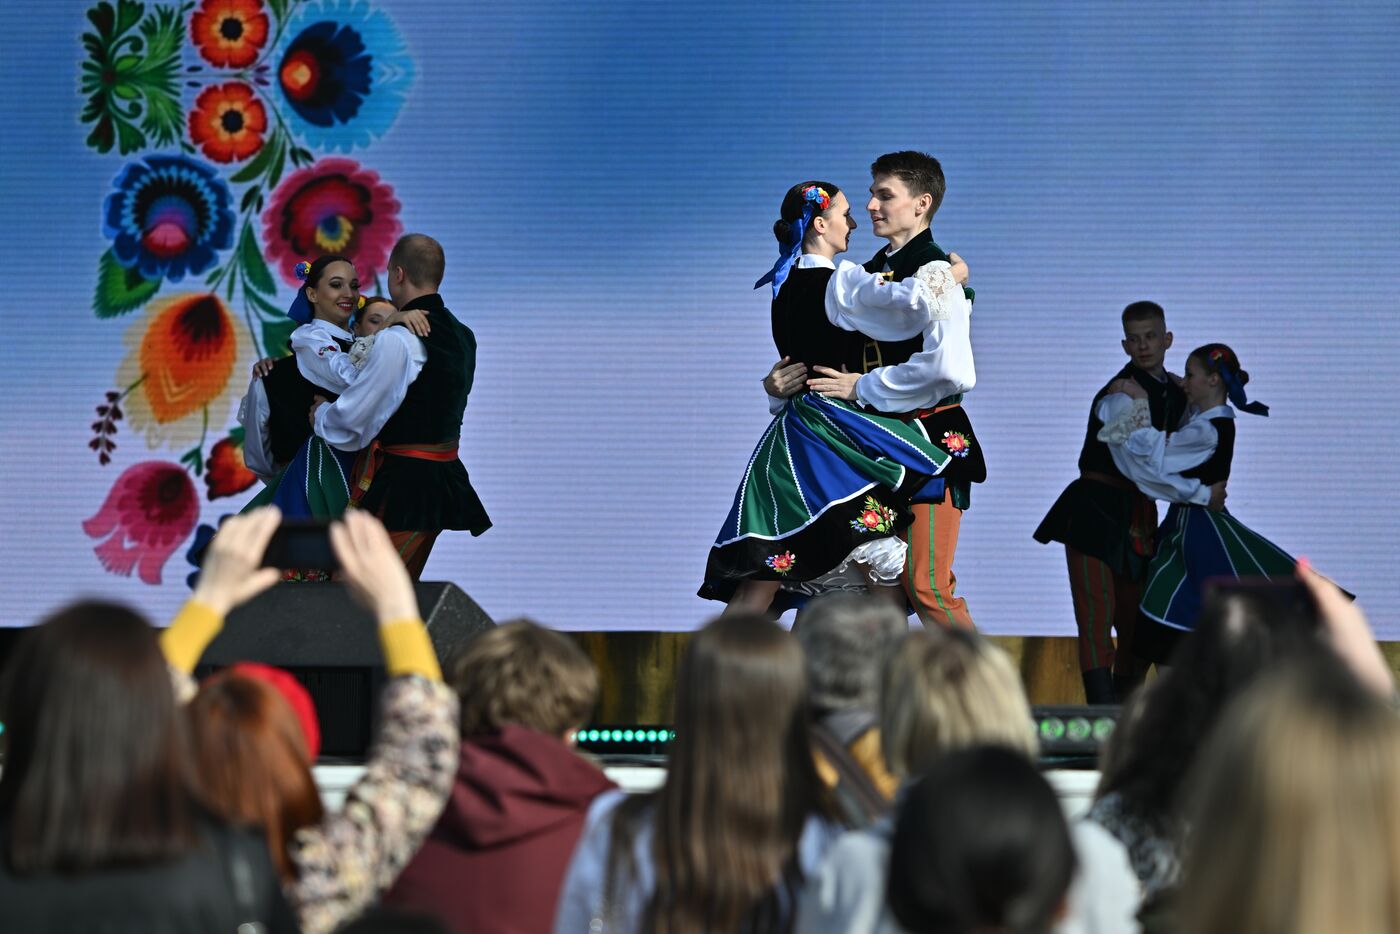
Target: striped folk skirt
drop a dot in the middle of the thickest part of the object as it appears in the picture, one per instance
(1195, 544)
(315, 484)
(825, 480)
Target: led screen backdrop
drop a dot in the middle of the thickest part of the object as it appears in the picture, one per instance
(604, 177)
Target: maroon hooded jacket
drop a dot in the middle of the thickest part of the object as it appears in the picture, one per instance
(495, 862)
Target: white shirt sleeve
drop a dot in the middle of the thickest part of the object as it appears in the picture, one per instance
(1154, 459)
(944, 366)
(862, 301)
(352, 421)
(253, 415)
(320, 359)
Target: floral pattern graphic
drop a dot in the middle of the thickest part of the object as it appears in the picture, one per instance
(168, 216)
(226, 474)
(957, 443)
(225, 112)
(228, 122)
(782, 563)
(229, 33)
(333, 206)
(150, 510)
(344, 71)
(874, 517)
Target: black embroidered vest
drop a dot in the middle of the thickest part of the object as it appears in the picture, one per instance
(1165, 401)
(289, 398)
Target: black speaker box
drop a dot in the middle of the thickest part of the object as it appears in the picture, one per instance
(331, 645)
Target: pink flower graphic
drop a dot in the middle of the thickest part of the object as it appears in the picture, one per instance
(782, 563)
(334, 206)
(150, 510)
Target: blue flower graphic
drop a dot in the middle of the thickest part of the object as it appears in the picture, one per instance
(168, 216)
(344, 71)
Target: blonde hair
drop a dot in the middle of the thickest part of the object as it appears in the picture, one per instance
(522, 673)
(947, 689)
(1296, 812)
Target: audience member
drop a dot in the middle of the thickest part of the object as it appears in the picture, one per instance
(394, 921)
(980, 844)
(100, 825)
(335, 864)
(1295, 815)
(741, 820)
(496, 859)
(845, 638)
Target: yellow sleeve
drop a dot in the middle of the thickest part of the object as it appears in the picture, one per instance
(189, 634)
(408, 650)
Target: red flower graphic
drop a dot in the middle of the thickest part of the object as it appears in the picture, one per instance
(228, 122)
(334, 206)
(150, 510)
(229, 33)
(782, 563)
(956, 442)
(226, 474)
(870, 518)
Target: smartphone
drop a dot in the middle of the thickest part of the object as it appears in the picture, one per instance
(301, 543)
(1287, 600)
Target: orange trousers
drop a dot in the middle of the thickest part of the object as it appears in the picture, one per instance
(929, 580)
(1104, 603)
(414, 548)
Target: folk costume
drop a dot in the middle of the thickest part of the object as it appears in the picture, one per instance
(1108, 527)
(1194, 543)
(829, 484)
(909, 378)
(404, 413)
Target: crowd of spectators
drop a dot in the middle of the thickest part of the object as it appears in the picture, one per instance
(849, 776)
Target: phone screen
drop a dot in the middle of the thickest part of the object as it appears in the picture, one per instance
(301, 543)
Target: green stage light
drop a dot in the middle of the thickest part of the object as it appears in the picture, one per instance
(627, 736)
(1052, 728)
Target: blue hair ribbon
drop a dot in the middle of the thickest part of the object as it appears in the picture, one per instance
(815, 200)
(1235, 390)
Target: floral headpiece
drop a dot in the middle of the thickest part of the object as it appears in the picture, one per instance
(815, 200)
(1223, 361)
(300, 310)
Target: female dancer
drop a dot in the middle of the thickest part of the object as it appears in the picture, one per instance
(1198, 539)
(829, 485)
(326, 357)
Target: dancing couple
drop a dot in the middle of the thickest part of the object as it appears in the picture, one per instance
(861, 479)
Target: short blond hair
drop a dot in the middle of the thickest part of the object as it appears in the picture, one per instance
(947, 689)
(522, 673)
(1295, 811)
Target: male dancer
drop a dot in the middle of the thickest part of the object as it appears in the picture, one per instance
(405, 412)
(910, 379)
(1108, 526)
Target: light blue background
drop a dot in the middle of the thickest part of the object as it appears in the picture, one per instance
(604, 175)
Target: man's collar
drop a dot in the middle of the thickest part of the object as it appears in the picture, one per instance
(923, 236)
(431, 300)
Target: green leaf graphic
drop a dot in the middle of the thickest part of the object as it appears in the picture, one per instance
(254, 266)
(275, 335)
(120, 290)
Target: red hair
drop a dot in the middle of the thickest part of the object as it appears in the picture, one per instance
(252, 761)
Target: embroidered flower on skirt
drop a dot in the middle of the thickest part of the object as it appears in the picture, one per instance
(229, 33)
(182, 351)
(228, 122)
(782, 563)
(334, 206)
(957, 444)
(344, 71)
(168, 216)
(149, 511)
(875, 517)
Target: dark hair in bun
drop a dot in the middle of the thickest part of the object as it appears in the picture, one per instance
(1221, 357)
(793, 204)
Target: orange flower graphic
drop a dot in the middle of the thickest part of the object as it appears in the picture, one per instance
(228, 122)
(229, 33)
(183, 351)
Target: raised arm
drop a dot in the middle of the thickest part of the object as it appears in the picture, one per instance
(862, 301)
(320, 359)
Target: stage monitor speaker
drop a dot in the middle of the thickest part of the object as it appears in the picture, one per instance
(330, 644)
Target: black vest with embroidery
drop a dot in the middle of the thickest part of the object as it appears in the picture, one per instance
(1216, 468)
(903, 263)
(1165, 401)
(801, 329)
(289, 399)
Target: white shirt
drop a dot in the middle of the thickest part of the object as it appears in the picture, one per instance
(1154, 459)
(352, 421)
(319, 357)
(930, 303)
(253, 415)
